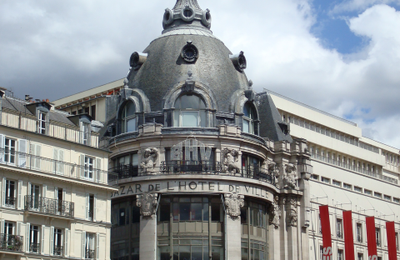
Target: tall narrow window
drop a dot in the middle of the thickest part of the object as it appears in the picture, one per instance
(34, 197)
(10, 199)
(339, 228)
(41, 123)
(58, 161)
(340, 255)
(34, 244)
(378, 236)
(35, 156)
(9, 151)
(58, 242)
(85, 133)
(190, 111)
(359, 233)
(88, 167)
(249, 117)
(90, 207)
(128, 118)
(90, 252)
(93, 112)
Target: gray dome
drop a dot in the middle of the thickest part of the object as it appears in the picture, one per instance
(166, 66)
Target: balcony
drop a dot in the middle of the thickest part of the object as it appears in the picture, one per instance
(90, 254)
(34, 248)
(58, 250)
(54, 167)
(11, 202)
(11, 243)
(49, 206)
(187, 168)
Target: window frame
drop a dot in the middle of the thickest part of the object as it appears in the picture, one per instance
(249, 112)
(199, 112)
(126, 118)
(41, 122)
(10, 146)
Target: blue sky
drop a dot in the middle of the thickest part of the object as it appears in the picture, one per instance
(341, 57)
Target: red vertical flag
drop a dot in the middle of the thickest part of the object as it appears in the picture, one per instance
(371, 238)
(348, 235)
(326, 233)
(391, 238)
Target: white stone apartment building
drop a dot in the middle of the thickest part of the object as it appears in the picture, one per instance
(54, 198)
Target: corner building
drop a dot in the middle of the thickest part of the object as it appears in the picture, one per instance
(54, 193)
(205, 167)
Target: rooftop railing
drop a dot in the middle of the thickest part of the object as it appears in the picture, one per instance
(51, 166)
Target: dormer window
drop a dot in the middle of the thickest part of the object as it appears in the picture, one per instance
(190, 111)
(249, 118)
(128, 118)
(41, 116)
(85, 133)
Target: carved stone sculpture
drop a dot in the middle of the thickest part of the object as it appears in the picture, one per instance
(233, 203)
(291, 217)
(274, 173)
(147, 202)
(290, 177)
(149, 161)
(231, 161)
(276, 213)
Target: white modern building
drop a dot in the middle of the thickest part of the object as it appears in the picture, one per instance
(54, 192)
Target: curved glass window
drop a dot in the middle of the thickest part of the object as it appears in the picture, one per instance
(249, 116)
(128, 118)
(190, 111)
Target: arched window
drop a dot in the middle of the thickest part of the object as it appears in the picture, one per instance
(128, 118)
(190, 111)
(249, 118)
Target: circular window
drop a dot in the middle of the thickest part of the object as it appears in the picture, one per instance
(187, 14)
(189, 53)
(168, 17)
(206, 18)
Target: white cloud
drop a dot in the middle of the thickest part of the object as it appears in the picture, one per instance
(359, 5)
(79, 44)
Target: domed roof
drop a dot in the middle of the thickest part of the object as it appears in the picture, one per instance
(188, 49)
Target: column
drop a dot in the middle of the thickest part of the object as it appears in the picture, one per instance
(233, 235)
(147, 202)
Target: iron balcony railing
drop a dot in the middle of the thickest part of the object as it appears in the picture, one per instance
(49, 206)
(10, 201)
(58, 250)
(12, 243)
(51, 166)
(187, 168)
(34, 248)
(90, 254)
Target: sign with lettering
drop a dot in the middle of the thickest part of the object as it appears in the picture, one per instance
(193, 186)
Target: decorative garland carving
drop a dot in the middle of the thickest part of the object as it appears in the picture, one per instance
(233, 203)
(147, 202)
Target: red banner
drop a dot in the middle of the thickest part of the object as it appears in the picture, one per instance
(326, 233)
(391, 238)
(348, 235)
(371, 238)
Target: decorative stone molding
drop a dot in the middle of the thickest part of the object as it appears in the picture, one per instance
(230, 162)
(290, 177)
(149, 160)
(233, 203)
(276, 213)
(291, 216)
(147, 202)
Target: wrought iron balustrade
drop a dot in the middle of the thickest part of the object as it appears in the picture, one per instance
(90, 254)
(188, 168)
(58, 250)
(34, 248)
(49, 206)
(10, 201)
(12, 243)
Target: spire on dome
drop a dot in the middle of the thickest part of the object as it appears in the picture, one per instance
(186, 13)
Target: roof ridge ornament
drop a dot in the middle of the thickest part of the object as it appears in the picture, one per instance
(186, 13)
